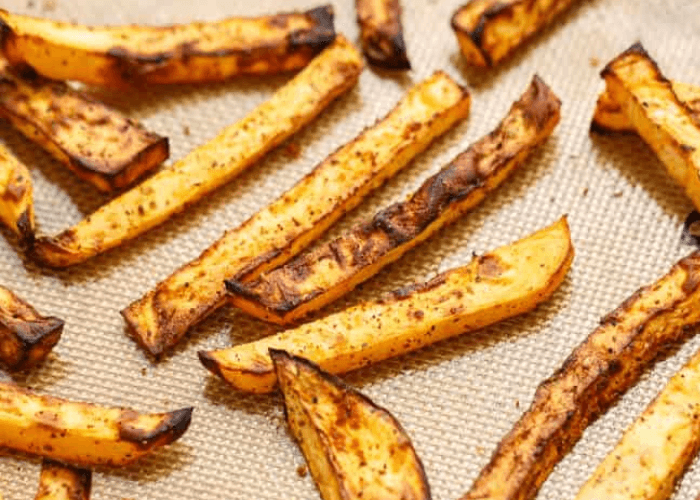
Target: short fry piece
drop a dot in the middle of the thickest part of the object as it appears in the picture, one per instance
(316, 278)
(117, 56)
(211, 165)
(63, 482)
(668, 126)
(281, 230)
(97, 143)
(508, 281)
(609, 116)
(26, 337)
(604, 366)
(381, 32)
(83, 434)
(656, 450)
(16, 196)
(356, 450)
(488, 31)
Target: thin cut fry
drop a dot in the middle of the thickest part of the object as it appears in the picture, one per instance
(16, 197)
(63, 482)
(498, 285)
(316, 278)
(281, 230)
(382, 33)
(210, 166)
(117, 56)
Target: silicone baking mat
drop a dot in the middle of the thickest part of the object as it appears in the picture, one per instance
(456, 399)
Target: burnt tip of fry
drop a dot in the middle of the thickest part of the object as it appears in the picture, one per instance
(25, 227)
(37, 339)
(210, 363)
(395, 58)
(636, 49)
(321, 35)
(172, 426)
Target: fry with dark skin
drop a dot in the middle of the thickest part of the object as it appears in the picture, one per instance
(26, 337)
(316, 278)
(603, 367)
(63, 482)
(299, 216)
(355, 449)
(382, 34)
(97, 143)
(120, 56)
(16, 197)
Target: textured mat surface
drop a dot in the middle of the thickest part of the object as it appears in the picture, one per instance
(456, 399)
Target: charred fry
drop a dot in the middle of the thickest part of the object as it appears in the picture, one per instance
(488, 31)
(116, 56)
(508, 281)
(355, 449)
(26, 337)
(276, 233)
(16, 197)
(211, 165)
(603, 367)
(83, 434)
(316, 278)
(63, 482)
(382, 34)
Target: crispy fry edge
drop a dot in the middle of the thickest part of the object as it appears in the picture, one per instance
(79, 482)
(383, 44)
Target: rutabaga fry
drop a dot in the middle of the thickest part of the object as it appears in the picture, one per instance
(282, 229)
(63, 482)
(211, 165)
(316, 278)
(16, 197)
(118, 56)
(510, 280)
(382, 34)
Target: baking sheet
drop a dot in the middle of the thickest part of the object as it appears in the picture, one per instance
(456, 399)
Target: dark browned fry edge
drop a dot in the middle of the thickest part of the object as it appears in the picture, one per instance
(35, 339)
(26, 228)
(84, 477)
(171, 428)
(280, 357)
(395, 58)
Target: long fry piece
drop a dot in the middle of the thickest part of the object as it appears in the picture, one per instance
(316, 278)
(665, 123)
(506, 282)
(16, 197)
(488, 31)
(210, 166)
(83, 434)
(276, 233)
(97, 143)
(63, 482)
(656, 450)
(604, 366)
(116, 56)
(382, 34)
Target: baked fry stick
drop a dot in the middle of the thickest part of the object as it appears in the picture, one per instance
(16, 197)
(382, 34)
(211, 165)
(508, 281)
(317, 278)
(276, 233)
(63, 482)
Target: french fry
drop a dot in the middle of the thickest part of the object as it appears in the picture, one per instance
(63, 482)
(83, 434)
(118, 56)
(281, 230)
(506, 282)
(603, 367)
(16, 197)
(314, 279)
(26, 337)
(356, 450)
(211, 165)
(97, 143)
(668, 126)
(382, 34)
(488, 31)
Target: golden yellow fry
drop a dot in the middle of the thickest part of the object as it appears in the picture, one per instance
(382, 34)
(63, 482)
(16, 196)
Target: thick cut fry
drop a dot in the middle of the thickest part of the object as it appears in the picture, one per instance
(668, 126)
(508, 281)
(657, 448)
(488, 31)
(210, 166)
(63, 482)
(16, 196)
(382, 34)
(96, 142)
(609, 116)
(298, 217)
(604, 366)
(316, 278)
(116, 56)
(26, 337)
(81, 433)
(356, 450)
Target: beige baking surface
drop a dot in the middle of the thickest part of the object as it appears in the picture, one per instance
(456, 399)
